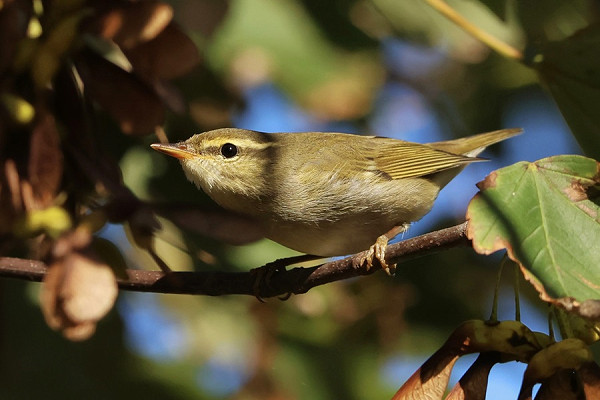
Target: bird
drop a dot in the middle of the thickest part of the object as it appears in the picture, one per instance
(325, 193)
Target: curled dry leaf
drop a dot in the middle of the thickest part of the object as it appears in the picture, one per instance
(507, 340)
(78, 289)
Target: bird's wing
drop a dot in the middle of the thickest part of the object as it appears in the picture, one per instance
(399, 160)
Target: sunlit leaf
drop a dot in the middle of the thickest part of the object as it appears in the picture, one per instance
(546, 214)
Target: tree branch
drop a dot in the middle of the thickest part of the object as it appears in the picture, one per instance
(297, 280)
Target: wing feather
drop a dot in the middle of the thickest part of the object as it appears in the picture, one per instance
(400, 160)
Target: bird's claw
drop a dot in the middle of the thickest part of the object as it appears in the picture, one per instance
(264, 274)
(376, 253)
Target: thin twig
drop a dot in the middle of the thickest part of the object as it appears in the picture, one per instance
(493, 42)
(297, 280)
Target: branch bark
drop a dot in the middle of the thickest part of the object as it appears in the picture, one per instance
(297, 280)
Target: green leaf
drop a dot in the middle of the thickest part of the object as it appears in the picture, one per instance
(570, 69)
(547, 215)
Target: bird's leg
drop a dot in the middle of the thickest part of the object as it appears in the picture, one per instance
(377, 250)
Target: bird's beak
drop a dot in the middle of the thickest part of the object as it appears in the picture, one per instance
(177, 150)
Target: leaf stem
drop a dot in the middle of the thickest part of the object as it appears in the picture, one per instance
(517, 272)
(494, 313)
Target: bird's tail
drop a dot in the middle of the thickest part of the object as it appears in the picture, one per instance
(471, 146)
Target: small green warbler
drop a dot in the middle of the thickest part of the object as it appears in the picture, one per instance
(326, 194)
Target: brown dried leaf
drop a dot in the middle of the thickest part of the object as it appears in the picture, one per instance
(77, 291)
(429, 381)
(509, 340)
(131, 23)
(128, 100)
(167, 56)
(45, 161)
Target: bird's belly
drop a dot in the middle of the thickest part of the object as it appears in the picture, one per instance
(330, 238)
(334, 225)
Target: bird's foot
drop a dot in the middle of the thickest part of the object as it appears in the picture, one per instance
(263, 275)
(376, 253)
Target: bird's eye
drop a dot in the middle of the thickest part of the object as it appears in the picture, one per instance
(229, 150)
